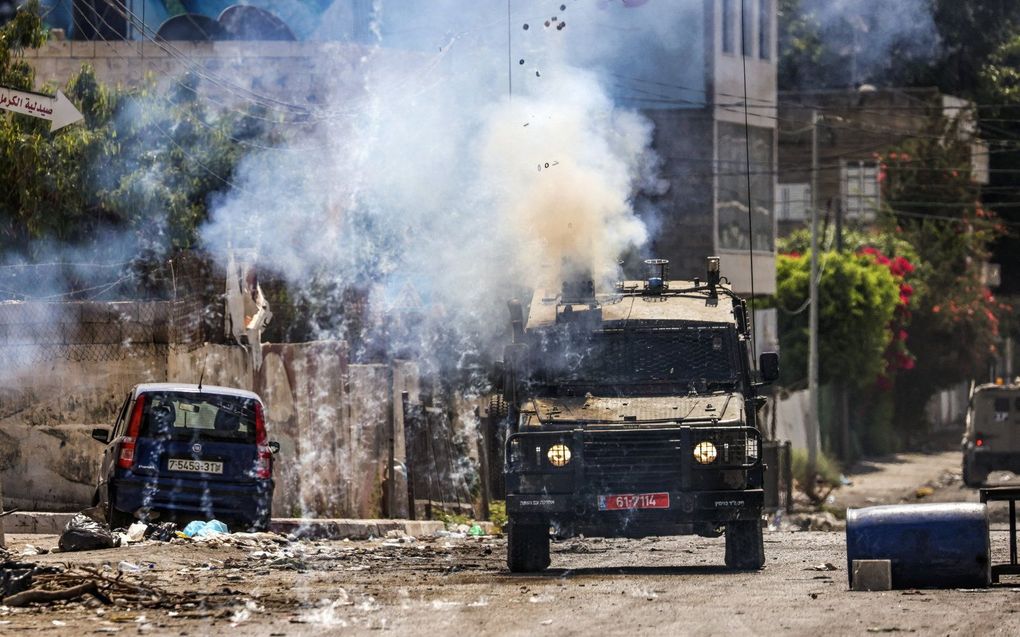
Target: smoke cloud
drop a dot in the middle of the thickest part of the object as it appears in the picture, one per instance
(425, 175)
(864, 39)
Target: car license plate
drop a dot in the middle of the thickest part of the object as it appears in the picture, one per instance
(194, 466)
(628, 501)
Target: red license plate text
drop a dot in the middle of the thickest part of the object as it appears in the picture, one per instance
(628, 501)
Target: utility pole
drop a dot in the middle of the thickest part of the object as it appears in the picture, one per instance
(812, 424)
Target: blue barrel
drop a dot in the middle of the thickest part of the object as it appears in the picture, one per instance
(939, 545)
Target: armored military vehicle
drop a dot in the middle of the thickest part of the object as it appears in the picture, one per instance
(634, 412)
(991, 441)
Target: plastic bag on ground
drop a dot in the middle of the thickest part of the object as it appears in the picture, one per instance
(83, 533)
(197, 528)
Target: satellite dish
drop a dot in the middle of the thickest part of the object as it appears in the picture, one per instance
(191, 27)
(243, 22)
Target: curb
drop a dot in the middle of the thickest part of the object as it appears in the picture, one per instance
(36, 522)
(351, 529)
(51, 523)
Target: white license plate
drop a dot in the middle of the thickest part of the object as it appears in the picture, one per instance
(195, 466)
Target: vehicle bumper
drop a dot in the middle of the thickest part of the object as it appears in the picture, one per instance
(194, 498)
(684, 507)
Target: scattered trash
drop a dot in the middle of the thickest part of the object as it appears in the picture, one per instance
(128, 567)
(476, 531)
(136, 532)
(161, 532)
(48, 584)
(85, 533)
(29, 550)
(822, 567)
(198, 528)
(923, 492)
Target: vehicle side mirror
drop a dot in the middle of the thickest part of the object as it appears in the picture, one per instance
(768, 365)
(274, 447)
(102, 434)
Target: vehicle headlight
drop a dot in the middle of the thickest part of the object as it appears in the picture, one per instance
(559, 455)
(705, 452)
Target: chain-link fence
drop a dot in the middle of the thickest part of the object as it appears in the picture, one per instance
(101, 312)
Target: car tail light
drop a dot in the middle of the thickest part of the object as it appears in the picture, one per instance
(979, 442)
(264, 460)
(126, 460)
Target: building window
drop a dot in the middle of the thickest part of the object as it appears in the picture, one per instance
(732, 195)
(747, 27)
(860, 190)
(764, 29)
(793, 202)
(727, 26)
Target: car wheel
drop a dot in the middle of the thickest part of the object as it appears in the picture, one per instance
(527, 547)
(745, 547)
(117, 519)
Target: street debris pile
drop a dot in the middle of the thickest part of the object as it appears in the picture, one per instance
(155, 574)
(24, 584)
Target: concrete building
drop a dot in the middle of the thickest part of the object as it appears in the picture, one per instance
(854, 125)
(704, 136)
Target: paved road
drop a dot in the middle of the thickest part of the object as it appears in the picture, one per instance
(449, 586)
(459, 586)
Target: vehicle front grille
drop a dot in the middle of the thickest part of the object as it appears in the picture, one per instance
(634, 459)
(656, 459)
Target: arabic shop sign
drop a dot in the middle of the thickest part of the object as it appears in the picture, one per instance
(58, 110)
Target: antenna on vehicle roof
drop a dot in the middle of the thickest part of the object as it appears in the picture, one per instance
(202, 375)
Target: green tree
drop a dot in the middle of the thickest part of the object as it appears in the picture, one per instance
(820, 41)
(933, 205)
(857, 303)
(143, 163)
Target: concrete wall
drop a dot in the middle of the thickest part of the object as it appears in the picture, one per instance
(232, 72)
(791, 418)
(337, 424)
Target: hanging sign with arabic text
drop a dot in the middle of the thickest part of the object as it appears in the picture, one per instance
(58, 110)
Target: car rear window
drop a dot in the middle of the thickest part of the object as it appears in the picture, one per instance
(189, 416)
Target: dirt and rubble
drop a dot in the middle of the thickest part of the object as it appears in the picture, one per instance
(456, 584)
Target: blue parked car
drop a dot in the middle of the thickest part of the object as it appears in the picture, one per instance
(184, 452)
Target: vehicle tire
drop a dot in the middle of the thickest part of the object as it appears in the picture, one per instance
(973, 477)
(498, 408)
(527, 547)
(259, 523)
(745, 548)
(118, 519)
(495, 437)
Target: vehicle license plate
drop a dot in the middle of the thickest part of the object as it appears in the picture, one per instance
(633, 501)
(195, 466)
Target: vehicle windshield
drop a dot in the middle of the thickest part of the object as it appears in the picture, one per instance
(698, 358)
(191, 416)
